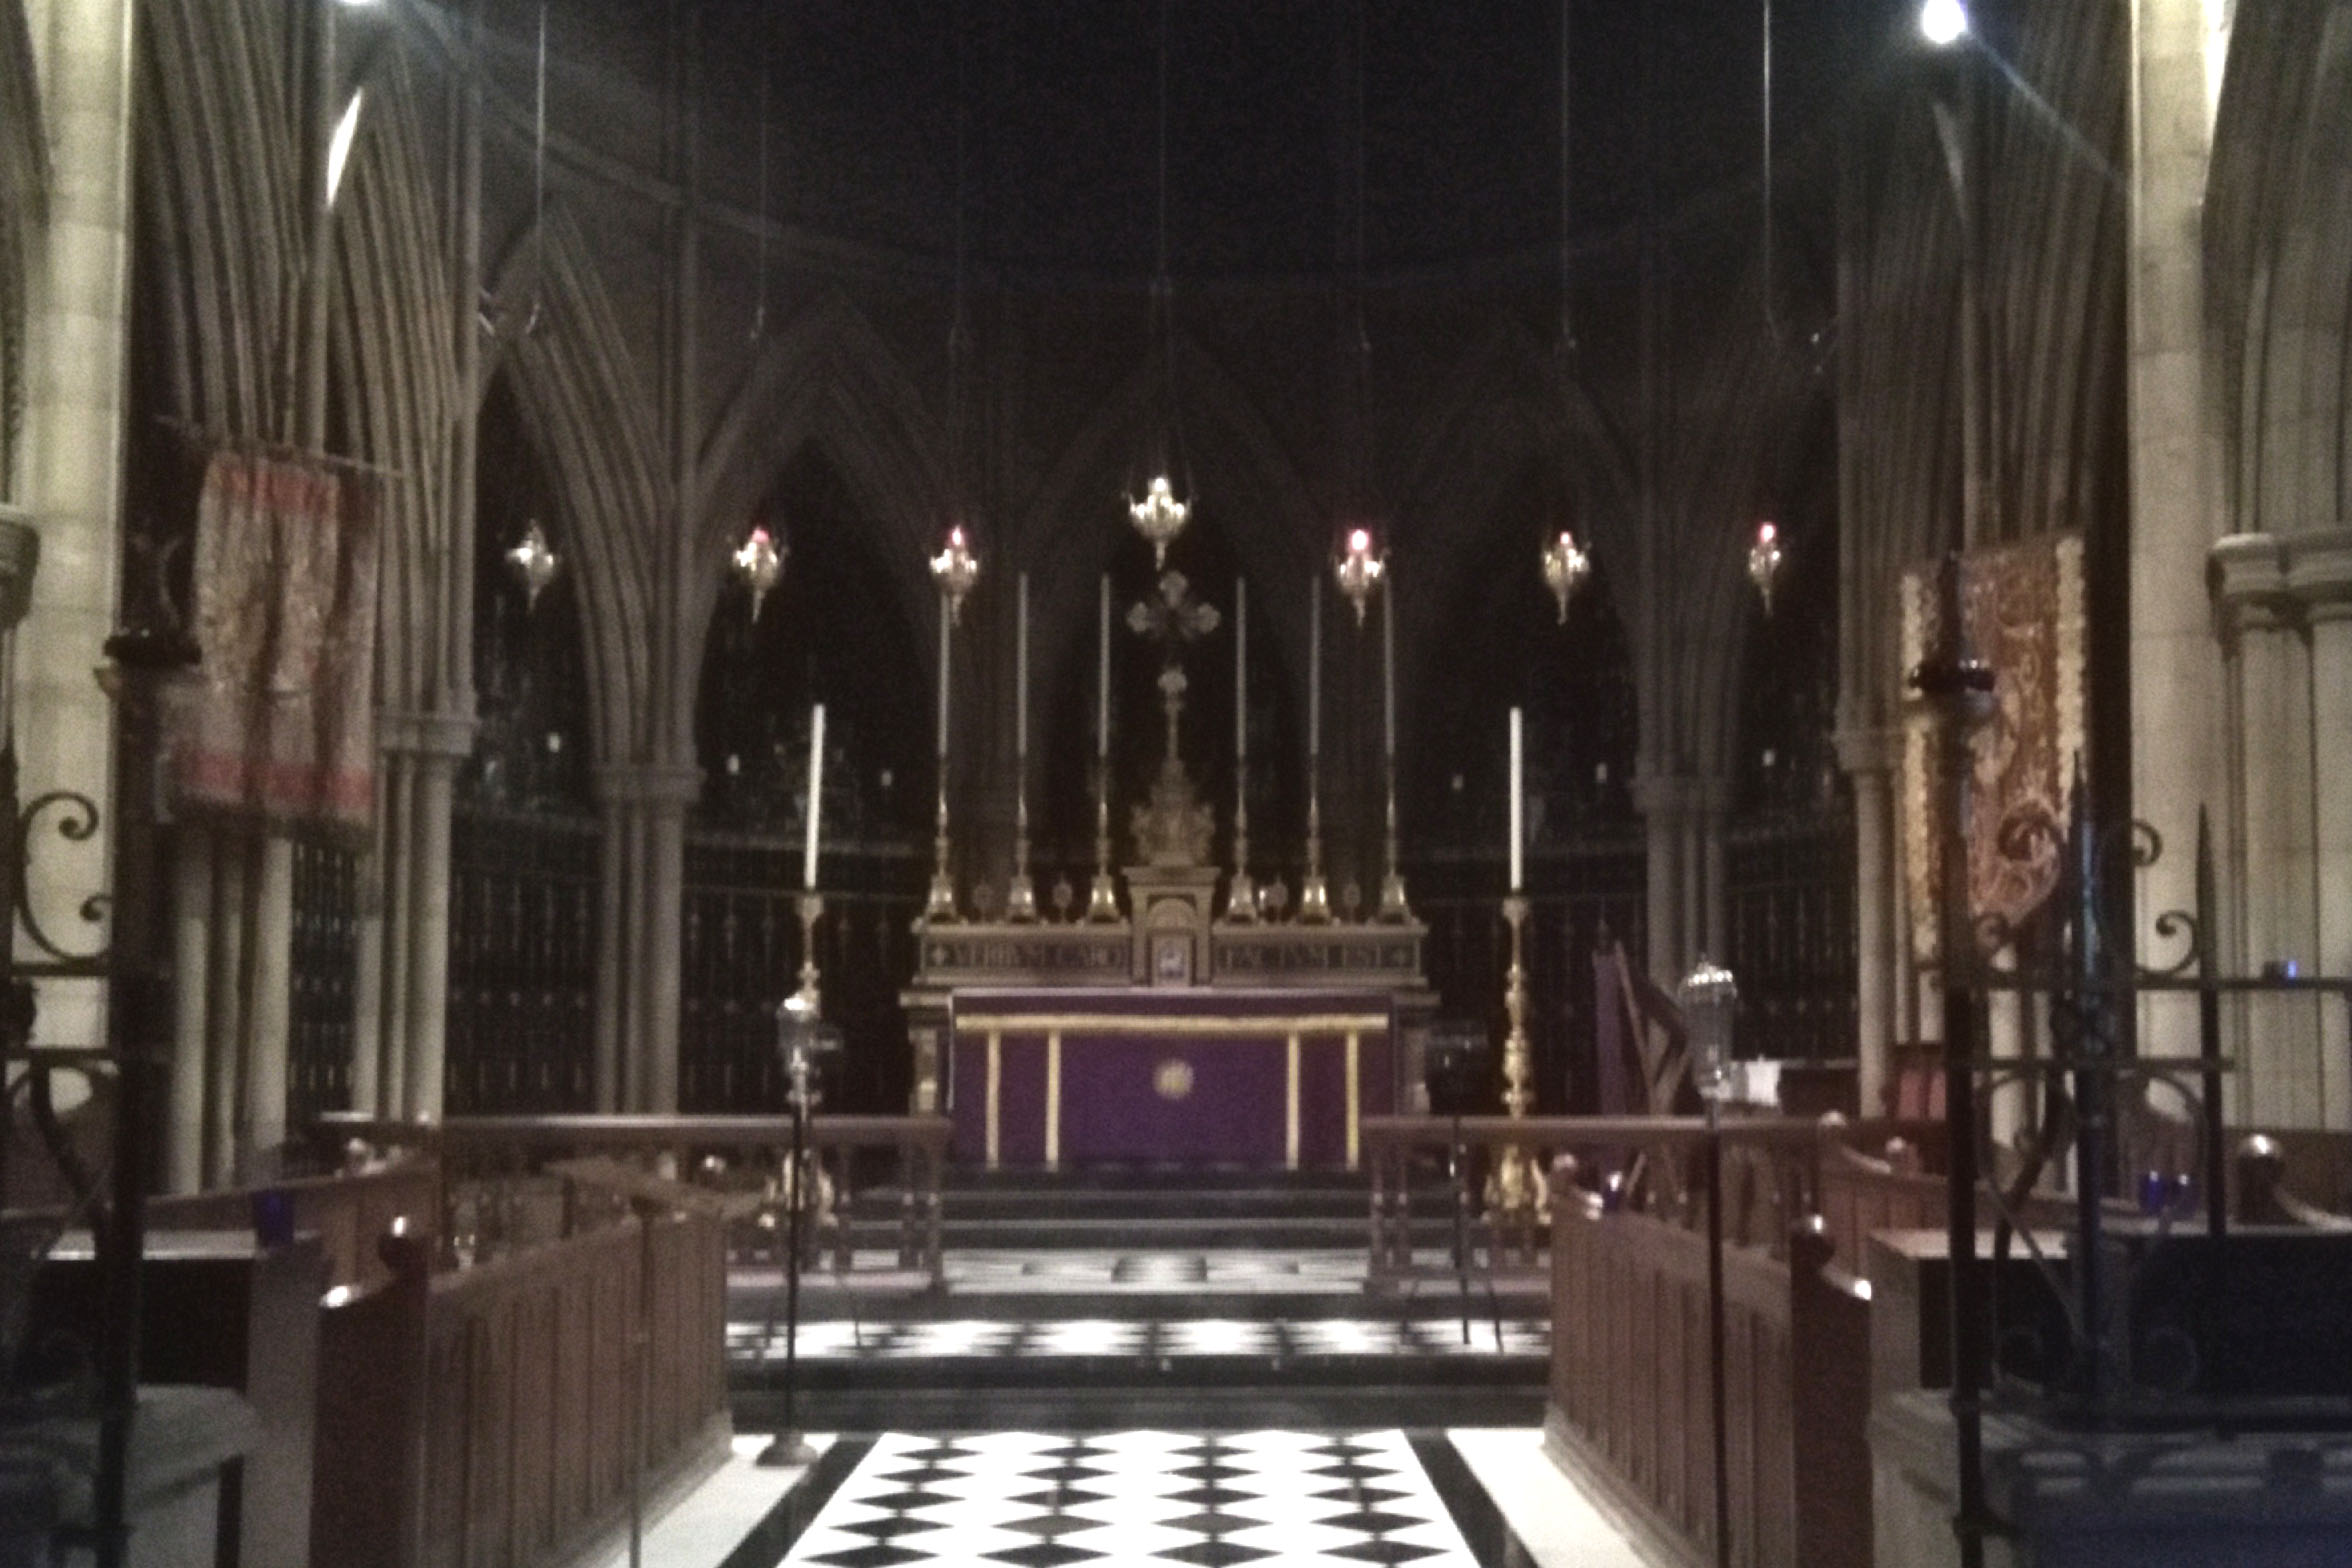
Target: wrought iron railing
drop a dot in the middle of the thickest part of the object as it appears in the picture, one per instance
(325, 953)
(522, 963)
(1575, 898)
(742, 938)
(1789, 935)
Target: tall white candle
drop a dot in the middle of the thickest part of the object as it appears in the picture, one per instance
(1102, 677)
(1518, 807)
(946, 624)
(816, 796)
(1388, 670)
(1021, 668)
(1240, 669)
(1315, 666)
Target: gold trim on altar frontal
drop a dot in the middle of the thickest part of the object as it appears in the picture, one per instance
(1173, 1077)
(995, 1024)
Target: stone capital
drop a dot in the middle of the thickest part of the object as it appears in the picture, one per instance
(2248, 576)
(426, 733)
(2319, 573)
(649, 783)
(1864, 752)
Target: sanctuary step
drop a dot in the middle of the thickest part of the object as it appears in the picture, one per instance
(1096, 1298)
(1156, 1209)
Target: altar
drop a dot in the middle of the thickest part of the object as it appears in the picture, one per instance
(1256, 1078)
(1181, 1015)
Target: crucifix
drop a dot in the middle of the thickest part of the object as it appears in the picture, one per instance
(1172, 617)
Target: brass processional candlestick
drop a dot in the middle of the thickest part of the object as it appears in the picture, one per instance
(1516, 1193)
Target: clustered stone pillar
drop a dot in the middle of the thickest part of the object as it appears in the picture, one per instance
(2176, 700)
(1870, 759)
(400, 1043)
(2286, 629)
(639, 946)
(1660, 798)
(69, 484)
(1684, 817)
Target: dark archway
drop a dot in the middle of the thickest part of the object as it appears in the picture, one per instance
(525, 886)
(834, 630)
(1507, 645)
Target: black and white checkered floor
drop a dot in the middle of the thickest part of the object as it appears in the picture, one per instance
(755, 1343)
(1269, 1499)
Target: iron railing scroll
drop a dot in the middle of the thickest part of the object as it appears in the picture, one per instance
(2105, 1347)
(98, 1377)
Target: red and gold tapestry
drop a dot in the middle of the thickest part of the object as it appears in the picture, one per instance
(279, 723)
(2024, 605)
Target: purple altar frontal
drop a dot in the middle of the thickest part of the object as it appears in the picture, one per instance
(1186, 1076)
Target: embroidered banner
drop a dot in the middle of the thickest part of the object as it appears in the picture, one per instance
(279, 725)
(2024, 604)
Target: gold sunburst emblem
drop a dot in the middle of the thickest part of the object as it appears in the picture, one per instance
(1172, 1079)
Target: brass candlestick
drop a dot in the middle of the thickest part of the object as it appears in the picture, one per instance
(1314, 892)
(1241, 897)
(811, 905)
(1515, 1194)
(1021, 897)
(1102, 897)
(1393, 907)
(940, 908)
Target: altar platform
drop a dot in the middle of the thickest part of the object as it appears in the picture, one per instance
(1258, 1078)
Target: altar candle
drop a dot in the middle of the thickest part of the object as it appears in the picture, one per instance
(1518, 807)
(946, 625)
(816, 796)
(1102, 678)
(1388, 671)
(1315, 666)
(1240, 670)
(1021, 668)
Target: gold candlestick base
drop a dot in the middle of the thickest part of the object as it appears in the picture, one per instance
(1516, 1196)
(939, 909)
(812, 907)
(1393, 908)
(1102, 898)
(1314, 900)
(1241, 900)
(1021, 900)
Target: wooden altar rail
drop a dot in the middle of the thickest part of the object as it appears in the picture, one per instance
(490, 1146)
(1632, 1393)
(513, 1412)
(1772, 1171)
(350, 1214)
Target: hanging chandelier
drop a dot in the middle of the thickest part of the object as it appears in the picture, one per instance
(758, 564)
(1159, 517)
(534, 563)
(1358, 570)
(1565, 567)
(955, 569)
(1765, 561)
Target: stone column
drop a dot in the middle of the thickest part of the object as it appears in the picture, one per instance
(1661, 799)
(1869, 758)
(422, 751)
(70, 484)
(1711, 803)
(2319, 575)
(2271, 882)
(2176, 688)
(644, 886)
(269, 1006)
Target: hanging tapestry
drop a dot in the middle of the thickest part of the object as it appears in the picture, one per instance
(278, 723)
(2024, 607)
